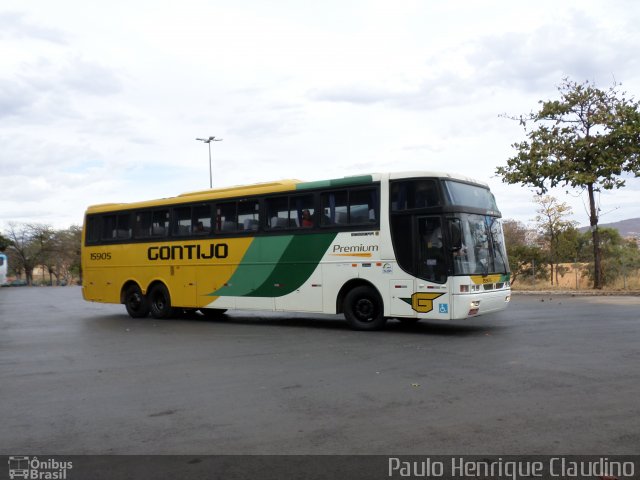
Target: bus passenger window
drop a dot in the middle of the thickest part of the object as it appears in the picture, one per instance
(160, 223)
(363, 206)
(123, 230)
(278, 212)
(93, 229)
(408, 194)
(226, 219)
(335, 210)
(143, 225)
(248, 215)
(202, 219)
(303, 211)
(109, 227)
(182, 221)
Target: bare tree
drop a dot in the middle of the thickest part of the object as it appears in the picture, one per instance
(552, 224)
(62, 258)
(29, 244)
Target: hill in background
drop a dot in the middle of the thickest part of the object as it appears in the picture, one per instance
(627, 228)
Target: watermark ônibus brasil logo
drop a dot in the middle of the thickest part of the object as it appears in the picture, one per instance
(38, 469)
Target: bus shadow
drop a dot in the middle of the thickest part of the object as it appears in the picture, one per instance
(287, 320)
(442, 329)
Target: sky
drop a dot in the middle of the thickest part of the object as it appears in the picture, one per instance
(103, 101)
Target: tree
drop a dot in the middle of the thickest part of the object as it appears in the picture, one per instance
(523, 253)
(62, 257)
(552, 223)
(586, 140)
(28, 247)
(619, 256)
(4, 243)
(56, 251)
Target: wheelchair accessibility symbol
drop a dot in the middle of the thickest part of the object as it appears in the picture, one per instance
(443, 308)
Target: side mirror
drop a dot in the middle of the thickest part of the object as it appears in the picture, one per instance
(455, 233)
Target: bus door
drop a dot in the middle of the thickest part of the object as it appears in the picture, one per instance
(432, 264)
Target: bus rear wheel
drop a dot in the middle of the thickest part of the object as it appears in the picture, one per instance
(135, 302)
(363, 309)
(160, 302)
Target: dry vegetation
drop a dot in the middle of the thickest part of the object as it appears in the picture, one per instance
(569, 281)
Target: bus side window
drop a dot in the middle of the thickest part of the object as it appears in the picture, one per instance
(335, 209)
(123, 230)
(202, 219)
(160, 223)
(248, 215)
(226, 217)
(363, 206)
(302, 211)
(425, 194)
(182, 221)
(277, 212)
(93, 229)
(410, 194)
(142, 227)
(109, 227)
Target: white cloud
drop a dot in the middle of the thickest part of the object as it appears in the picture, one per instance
(103, 103)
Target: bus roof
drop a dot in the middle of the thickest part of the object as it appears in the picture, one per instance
(433, 174)
(274, 187)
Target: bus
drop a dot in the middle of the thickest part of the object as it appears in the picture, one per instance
(4, 267)
(403, 245)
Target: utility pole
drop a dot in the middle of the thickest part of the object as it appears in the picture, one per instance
(208, 141)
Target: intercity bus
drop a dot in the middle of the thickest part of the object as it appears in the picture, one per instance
(410, 246)
(4, 266)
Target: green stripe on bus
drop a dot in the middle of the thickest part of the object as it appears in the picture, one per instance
(256, 265)
(336, 182)
(299, 261)
(276, 266)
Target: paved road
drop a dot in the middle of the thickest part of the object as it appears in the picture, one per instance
(552, 375)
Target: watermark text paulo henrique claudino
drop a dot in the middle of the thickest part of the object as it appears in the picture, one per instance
(501, 468)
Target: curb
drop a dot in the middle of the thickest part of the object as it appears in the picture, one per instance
(576, 293)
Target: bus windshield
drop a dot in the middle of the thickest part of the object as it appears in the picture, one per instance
(463, 194)
(477, 244)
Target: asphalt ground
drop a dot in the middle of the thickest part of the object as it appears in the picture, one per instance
(550, 375)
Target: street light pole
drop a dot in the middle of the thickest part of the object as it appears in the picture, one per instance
(209, 140)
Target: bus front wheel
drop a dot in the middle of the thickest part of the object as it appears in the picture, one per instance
(135, 302)
(363, 309)
(160, 302)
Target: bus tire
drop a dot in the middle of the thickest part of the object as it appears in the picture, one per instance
(135, 302)
(363, 309)
(160, 301)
